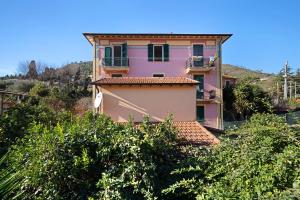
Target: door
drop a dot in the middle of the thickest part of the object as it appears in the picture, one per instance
(200, 86)
(117, 55)
(198, 52)
(200, 113)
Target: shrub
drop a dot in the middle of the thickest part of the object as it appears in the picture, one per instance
(39, 90)
(91, 157)
(15, 122)
(263, 162)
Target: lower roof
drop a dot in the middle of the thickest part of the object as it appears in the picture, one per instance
(194, 133)
(191, 133)
(145, 81)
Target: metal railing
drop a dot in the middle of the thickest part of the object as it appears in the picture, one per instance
(200, 61)
(205, 95)
(115, 62)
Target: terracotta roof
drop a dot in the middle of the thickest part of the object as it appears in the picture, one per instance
(191, 132)
(145, 81)
(194, 133)
(228, 76)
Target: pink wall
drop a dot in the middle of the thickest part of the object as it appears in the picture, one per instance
(210, 113)
(120, 102)
(140, 66)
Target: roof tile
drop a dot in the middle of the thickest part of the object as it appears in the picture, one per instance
(194, 133)
(145, 81)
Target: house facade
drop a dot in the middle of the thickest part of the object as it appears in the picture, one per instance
(229, 80)
(159, 74)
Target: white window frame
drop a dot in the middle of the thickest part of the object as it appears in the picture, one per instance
(162, 52)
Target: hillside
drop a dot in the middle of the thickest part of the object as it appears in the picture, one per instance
(265, 80)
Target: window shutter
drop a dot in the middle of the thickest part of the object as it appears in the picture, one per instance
(107, 56)
(124, 55)
(166, 52)
(150, 52)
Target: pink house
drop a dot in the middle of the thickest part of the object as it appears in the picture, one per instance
(160, 74)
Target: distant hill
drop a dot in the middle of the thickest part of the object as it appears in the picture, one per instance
(242, 72)
(265, 80)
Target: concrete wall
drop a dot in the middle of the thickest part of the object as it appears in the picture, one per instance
(120, 102)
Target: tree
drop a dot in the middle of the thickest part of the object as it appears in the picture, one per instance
(249, 99)
(23, 67)
(32, 71)
(228, 99)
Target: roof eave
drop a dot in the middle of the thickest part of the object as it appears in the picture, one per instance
(226, 35)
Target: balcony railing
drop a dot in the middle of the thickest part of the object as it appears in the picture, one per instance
(205, 95)
(200, 61)
(115, 62)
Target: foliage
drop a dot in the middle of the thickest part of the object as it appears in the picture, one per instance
(95, 158)
(250, 98)
(263, 162)
(91, 157)
(15, 122)
(39, 90)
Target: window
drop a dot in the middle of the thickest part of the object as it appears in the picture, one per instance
(158, 53)
(158, 75)
(200, 113)
(200, 86)
(116, 55)
(116, 75)
(198, 51)
(227, 83)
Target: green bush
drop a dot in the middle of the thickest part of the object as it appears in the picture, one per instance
(15, 122)
(91, 157)
(263, 162)
(39, 90)
(96, 158)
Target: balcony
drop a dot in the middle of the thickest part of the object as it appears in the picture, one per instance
(200, 64)
(116, 64)
(204, 96)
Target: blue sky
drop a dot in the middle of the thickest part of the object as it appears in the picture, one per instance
(266, 33)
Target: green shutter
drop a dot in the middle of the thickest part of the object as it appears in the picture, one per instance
(166, 52)
(200, 113)
(150, 52)
(108, 56)
(124, 55)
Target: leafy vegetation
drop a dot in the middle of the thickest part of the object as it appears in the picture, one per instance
(95, 158)
(245, 99)
(263, 162)
(16, 121)
(90, 157)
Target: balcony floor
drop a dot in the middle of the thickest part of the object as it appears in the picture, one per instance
(198, 69)
(115, 69)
